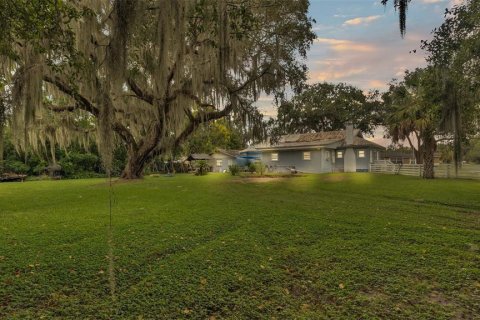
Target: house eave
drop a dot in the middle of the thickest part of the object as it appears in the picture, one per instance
(295, 148)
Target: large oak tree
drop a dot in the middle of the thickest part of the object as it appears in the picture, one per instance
(151, 71)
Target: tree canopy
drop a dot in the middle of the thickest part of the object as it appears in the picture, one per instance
(151, 71)
(454, 52)
(327, 106)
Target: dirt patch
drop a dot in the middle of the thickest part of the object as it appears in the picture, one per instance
(439, 298)
(374, 295)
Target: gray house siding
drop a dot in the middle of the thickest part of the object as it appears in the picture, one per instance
(363, 164)
(294, 158)
(339, 162)
(220, 162)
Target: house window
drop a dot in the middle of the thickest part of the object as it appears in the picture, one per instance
(339, 154)
(361, 153)
(307, 156)
(274, 156)
(219, 162)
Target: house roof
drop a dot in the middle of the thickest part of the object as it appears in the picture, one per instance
(198, 156)
(230, 153)
(332, 139)
(361, 142)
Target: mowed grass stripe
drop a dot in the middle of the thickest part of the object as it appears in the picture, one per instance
(314, 247)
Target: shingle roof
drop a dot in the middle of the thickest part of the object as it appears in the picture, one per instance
(361, 142)
(231, 153)
(198, 156)
(318, 139)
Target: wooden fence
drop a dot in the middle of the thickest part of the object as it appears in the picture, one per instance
(466, 171)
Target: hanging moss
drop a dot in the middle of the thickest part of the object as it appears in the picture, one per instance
(151, 70)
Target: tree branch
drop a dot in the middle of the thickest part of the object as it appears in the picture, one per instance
(139, 92)
(82, 102)
(61, 108)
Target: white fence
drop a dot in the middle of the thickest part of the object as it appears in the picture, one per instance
(466, 171)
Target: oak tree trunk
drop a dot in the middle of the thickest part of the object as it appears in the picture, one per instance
(133, 169)
(139, 155)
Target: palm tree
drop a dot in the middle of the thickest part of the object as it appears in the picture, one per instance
(414, 112)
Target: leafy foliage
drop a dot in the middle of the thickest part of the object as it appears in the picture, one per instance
(202, 167)
(413, 108)
(210, 136)
(234, 169)
(455, 52)
(473, 151)
(326, 107)
(153, 71)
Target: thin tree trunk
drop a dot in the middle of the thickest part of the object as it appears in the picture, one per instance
(429, 145)
(2, 144)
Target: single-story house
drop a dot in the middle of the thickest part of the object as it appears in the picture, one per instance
(221, 159)
(344, 150)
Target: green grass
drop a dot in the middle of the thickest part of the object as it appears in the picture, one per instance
(337, 246)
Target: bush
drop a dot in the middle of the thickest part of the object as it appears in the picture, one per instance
(260, 168)
(202, 168)
(256, 167)
(234, 169)
(39, 169)
(16, 166)
(252, 168)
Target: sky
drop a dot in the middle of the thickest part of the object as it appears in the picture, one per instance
(359, 42)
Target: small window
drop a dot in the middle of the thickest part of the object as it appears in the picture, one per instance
(219, 162)
(307, 156)
(274, 156)
(339, 154)
(361, 153)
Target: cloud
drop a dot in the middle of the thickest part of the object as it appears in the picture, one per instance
(335, 73)
(377, 84)
(368, 63)
(361, 20)
(431, 1)
(451, 3)
(345, 45)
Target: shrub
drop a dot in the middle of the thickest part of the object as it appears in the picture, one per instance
(234, 169)
(260, 168)
(252, 168)
(256, 167)
(202, 168)
(39, 169)
(16, 166)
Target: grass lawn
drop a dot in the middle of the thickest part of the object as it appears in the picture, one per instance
(339, 246)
